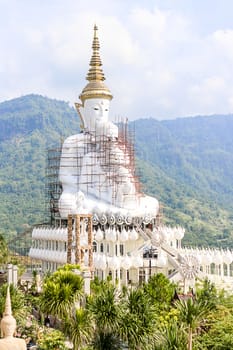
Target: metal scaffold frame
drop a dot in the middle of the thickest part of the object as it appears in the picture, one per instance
(100, 149)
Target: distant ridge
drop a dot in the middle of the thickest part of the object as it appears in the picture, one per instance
(187, 163)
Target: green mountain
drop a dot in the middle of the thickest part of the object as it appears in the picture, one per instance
(186, 163)
(191, 164)
(28, 127)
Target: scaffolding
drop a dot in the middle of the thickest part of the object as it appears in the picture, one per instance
(94, 164)
(53, 186)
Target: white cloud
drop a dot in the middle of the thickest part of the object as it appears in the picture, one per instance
(223, 41)
(159, 62)
(208, 91)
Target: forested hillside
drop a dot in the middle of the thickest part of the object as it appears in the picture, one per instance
(186, 163)
(191, 161)
(28, 127)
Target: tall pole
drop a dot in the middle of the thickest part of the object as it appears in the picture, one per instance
(69, 239)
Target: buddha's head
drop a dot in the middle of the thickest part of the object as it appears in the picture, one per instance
(95, 96)
(8, 326)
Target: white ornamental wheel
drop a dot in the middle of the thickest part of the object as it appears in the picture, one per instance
(128, 219)
(189, 266)
(146, 219)
(95, 219)
(111, 220)
(120, 220)
(103, 220)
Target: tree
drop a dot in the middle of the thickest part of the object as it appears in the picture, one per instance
(79, 327)
(172, 337)
(107, 313)
(3, 250)
(192, 314)
(61, 291)
(208, 294)
(219, 329)
(160, 290)
(138, 322)
(106, 341)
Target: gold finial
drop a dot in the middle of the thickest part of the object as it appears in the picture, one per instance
(95, 72)
(8, 311)
(95, 88)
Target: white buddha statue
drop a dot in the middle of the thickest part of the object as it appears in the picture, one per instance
(95, 170)
(8, 328)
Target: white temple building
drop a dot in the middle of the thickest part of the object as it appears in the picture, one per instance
(101, 218)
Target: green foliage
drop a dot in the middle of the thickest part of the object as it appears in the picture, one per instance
(208, 294)
(107, 313)
(51, 339)
(29, 329)
(220, 331)
(3, 250)
(160, 290)
(19, 307)
(61, 291)
(79, 327)
(135, 319)
(138, 322)
(105, 309)
(29, 125)
(106, 341)
(192, 313)
(173, 338)
(167, 316)
(98, 285)
(69, 267)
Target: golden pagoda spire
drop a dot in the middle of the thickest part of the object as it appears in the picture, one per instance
(95, 72)
(95, 88)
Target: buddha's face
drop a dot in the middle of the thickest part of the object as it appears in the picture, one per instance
(95, 111)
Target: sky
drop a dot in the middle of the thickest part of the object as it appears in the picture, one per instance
(161, 58)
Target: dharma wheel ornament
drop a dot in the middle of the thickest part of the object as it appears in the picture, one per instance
(189, 266)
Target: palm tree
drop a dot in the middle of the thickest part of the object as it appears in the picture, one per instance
(79, 328)
(172, 338)
(106, 309)
(61, 291)
(192, 313)
(106, 341)
(138, 322)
